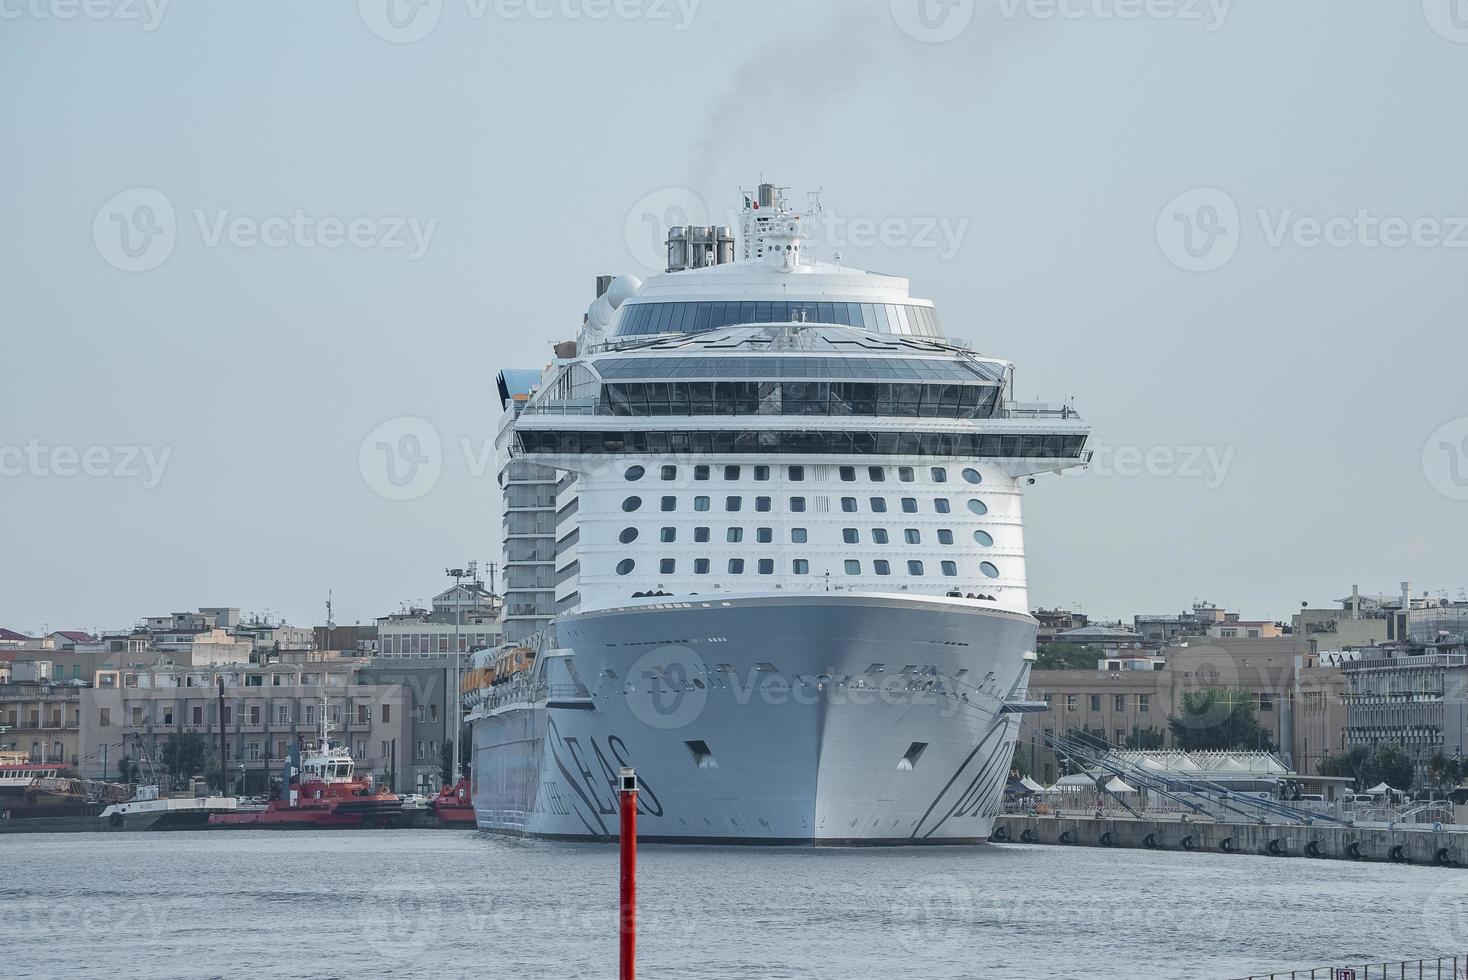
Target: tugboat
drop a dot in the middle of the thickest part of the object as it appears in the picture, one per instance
(319, 788)
(454, 805)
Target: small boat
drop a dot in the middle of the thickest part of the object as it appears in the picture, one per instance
(454, 806)
(320, 788)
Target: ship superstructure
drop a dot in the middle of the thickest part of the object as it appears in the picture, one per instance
(769, 520)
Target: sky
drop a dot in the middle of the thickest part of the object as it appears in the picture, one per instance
(246, 244)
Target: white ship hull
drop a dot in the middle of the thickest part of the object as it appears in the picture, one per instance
(816, 719)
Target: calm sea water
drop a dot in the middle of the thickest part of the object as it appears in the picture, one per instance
(461, 904)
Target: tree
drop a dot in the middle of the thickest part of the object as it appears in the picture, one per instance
(1445, 774)
(127, 769)
(1219, 719)
(1020, 765)
(1347, 764)
(1066, 656)
(1388, 763)
(186, 754)
(446, 755)
(1148, 739)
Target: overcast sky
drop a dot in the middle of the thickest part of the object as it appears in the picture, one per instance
(241, 237)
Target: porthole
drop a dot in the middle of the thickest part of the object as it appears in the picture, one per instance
(853, 567)
(977, 506)
(984, 538)
(989, 569)
(628, 535)
(940, 475)
(800, 566)
(882, 567)
(667, 566)
(631, 504)
(731, 472)
(940, 505)
(670, 472)
(634, 473)
(972, 475)
(625, 566)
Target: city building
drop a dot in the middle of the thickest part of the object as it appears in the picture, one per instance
(39, 720)
(1053, 621)
(1161, 630)
(467, 610)
(431, 719)
(265, 709)
(1101, 637)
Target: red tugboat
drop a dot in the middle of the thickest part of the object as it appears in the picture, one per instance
(320, 790)
(454, 806)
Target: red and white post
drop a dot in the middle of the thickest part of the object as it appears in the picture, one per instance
(627, 909)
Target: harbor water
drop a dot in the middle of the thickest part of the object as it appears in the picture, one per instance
(463, 904)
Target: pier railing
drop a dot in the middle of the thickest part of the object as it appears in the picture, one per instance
(1443, 968)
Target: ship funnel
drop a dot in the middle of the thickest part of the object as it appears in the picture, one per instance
(699, 247)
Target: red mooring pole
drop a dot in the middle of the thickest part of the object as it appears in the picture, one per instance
(627, 917)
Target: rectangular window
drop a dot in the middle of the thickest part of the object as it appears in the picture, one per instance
(670, 504)
(797, 505)
(761, 473)
(767, 566)
(848, 505)
(939, 474)
(667, 566)
(1119, 702)
(876, 474)
(940, 505)
(950, 568)
(736, 566)
(1266, 702)
(879, 535)
(735, 535)
(912, 536)
(909, 505)
(198, 714)
(945, 535)
(765, 535)
(905, 474)
(853, 567)
(796, 474)
(882, 567)
(914, 567)
(1072, 702)
(700, 535)
(879, 505)
(850, 535)
(733, 503)
(670, 473)
(700, 472)
(668, 535)
(762, 504)
(848, 474)
(386, 716)
(1144, 702)
(1095, 702)
(797, 535)
(800, 566)
(700, 566)
(700, 503)
(731, 472)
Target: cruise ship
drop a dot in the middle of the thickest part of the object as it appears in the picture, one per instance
(763, 543)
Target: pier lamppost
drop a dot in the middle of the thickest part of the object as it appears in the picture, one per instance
(458, 575)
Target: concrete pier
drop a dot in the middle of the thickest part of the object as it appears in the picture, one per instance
(1402, 846)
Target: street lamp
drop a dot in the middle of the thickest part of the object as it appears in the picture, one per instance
(458, 575)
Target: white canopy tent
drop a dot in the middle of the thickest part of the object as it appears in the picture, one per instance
(1116, 785)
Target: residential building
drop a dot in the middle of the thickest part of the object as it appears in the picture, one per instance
(40, 720)
(430, 720)
(1053, 621)
(467, 610)
(265, 709)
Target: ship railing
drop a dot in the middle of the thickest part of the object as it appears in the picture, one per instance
(1036, 410)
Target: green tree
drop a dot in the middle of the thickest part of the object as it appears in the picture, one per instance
(1219, 719)
(1347, 764)
(127, 769)
(186, 754)
(1066, 656)
(1020, 765)
(446, 755)
(1444, 773)
(1388, 763)
(1148, 739)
